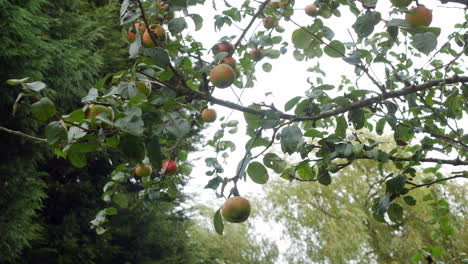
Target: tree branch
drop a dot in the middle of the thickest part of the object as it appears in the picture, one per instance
(463, 2)
(415, 186)
(18, 133)
(259, 11)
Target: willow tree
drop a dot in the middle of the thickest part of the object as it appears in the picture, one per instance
(421, 102)
(335, 224)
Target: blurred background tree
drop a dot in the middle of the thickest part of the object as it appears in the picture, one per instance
(334, 224)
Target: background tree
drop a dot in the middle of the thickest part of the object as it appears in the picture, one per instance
(335, 223)
(60, 42)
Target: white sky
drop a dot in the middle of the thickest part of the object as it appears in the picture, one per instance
(286, 80)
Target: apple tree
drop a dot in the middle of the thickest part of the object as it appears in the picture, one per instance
(145, 115)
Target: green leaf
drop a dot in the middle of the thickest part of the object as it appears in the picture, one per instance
(291, 103)
(395, 212)
(36, 86)
(77, 159)
(291, 136)
(409, 200)
(253, 121)
(111, 211)
(214, 183)
(302, 39)
(17, 81)
(266, 67)
(154, 153)
(44, 109)
(257, 172)
(425, 42)
(325, 179)
(218, 222)
(358, 118)
(176, 25)
(274, 162)
(159, 55)
(132, 147)
(132, 123)
(176, 124)
(364, 25)
(121, 200)
(335, 49)
(55, 133)
(341, 126)
(379, 128)
(76, 116)
(396, 184)
(198, 20)
(305, 171)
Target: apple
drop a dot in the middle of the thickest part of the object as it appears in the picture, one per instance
(208, 115)
(144, 87)
(401, 3)
(311, 10)
(268, 22)
(236, 209)
(222, 76)
(230, 61)
(170, 167)
(131, 35)
(419, 16)
(275, 4)
(143, 170)
(256, 54)
(158, 31)
(224, 47)
(96, 109)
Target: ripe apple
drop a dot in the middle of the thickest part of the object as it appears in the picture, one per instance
(95, 109)
(208, 115)
(268, 22)
(222, 76)
(275, 4)
(311, 10)
(224, 47)
(170, 167)
(236, 209)
(158, 31)
(230, 61)
(401, 3)
(144, 87)
(143, 170)
(256, 54)
(131, 34)
(419, 16)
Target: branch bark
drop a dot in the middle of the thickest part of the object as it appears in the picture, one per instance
(339, 110)
(18, 133)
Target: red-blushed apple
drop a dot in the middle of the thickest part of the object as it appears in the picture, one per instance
(222, 76)
(144, 170)
(256, 54)
(131, 33)
(311, 10)
(158, 31)
(236, 209)
(208, 115)
(224, 47)
(229, 61)
(419, 16)
(170, 167)
(268, 22)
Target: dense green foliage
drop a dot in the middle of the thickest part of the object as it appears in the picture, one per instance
(60, 42)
